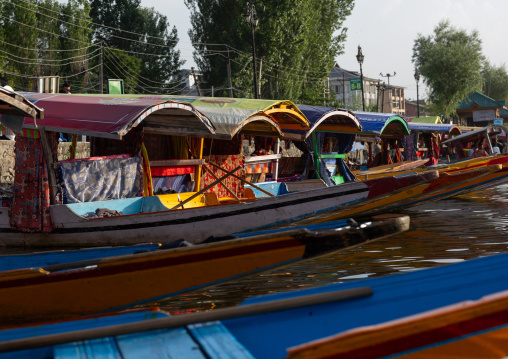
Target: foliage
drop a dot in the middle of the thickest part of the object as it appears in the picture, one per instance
(133, 64)
(19, 23)
(139, 32)
(495, 81)
(296, 44)
(76, 37)
(450, 63)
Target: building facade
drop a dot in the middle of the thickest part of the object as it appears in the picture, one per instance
(391, 99)
(341, 81)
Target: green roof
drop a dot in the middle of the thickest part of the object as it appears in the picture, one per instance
(432, 119)
(482, 100)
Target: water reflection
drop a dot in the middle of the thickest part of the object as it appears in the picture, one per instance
(441, 233)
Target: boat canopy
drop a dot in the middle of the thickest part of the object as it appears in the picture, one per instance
(231, 116)
(434, 128)
(430, 119)
(258, 117)
(14, 107)
(382, 124)
(327, 119)
(114, 117)
(471, 136)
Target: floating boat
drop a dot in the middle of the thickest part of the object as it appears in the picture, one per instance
(306, 322)
(120, 183)
(473, 328)
(111, 283)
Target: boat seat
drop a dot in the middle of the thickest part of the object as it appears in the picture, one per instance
(173, 199)
(200, 341)
(275, 188)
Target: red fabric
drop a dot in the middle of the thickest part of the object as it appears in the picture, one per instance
(229, 163)
(29, 211)
(163, 171)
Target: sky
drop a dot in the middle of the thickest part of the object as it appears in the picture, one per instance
(386, 30)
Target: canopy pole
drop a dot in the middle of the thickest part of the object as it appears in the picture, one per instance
(50, 165)
(197, 179)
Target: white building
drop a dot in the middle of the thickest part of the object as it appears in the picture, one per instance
(341, 81)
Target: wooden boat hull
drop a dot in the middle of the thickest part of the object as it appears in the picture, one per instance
(194, 224)
(474, 329)
(279, 328)
(112, 283)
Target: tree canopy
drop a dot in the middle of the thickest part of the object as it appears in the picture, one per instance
(450, 62)
(139, 32)
(495, 81)
(296, 44)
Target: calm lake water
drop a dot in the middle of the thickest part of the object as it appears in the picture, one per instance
(441, 233)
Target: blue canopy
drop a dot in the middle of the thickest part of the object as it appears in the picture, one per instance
(434, 127)
(383, 124)
(326, 122)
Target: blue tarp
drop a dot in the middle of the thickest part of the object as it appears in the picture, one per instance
(382, 123)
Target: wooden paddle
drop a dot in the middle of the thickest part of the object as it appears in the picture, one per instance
(226, 187)
(186, 319)
(207, 187)
(241, 179)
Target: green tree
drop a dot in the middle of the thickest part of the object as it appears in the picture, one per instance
(19, 25)
(77, 39)
(142, 33)
(450, 62)
(495, 81)
(48, 40)
(296, 44)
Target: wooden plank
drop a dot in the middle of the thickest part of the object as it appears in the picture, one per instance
(175, 343)
(17, 103)
(218, 342)
(260, 159)
(194, 162)
(104, 348)
(48, 156)
(305, 185)
(188, 319)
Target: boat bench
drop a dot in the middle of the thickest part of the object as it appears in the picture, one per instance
(275, 188)
(200, 341)
(146, 204)
(125, 205)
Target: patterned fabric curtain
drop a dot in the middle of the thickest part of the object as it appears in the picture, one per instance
(229, 163)
(101, 179)
(29, 211)
(410, 147)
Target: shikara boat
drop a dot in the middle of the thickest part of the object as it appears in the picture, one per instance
(89, 286)
(305, 323)
(469, 329)
(193, 216)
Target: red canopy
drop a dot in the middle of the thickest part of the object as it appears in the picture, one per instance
(114, 117)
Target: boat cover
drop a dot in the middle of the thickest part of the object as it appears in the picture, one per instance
(473, 134)
(13, 108)
(114, 117)
(434, 127)
(383, 124)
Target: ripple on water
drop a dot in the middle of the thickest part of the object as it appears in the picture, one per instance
(441, 233)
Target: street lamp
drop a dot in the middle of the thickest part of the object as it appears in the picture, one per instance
(360, 58)
(417, 78)
(251, 19)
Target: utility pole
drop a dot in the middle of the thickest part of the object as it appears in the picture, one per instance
(388, 75)
(229, 74)
(344, 88)
(251, 19)
(101, 79)
(196, 81)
